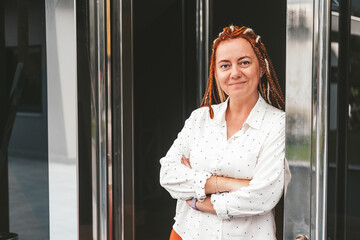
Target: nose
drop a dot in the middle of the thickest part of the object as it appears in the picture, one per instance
(236, 72)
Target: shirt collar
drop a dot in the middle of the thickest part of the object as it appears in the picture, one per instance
(254, 119)
(256, 115)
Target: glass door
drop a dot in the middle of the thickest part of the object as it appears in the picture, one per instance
(344, 122)
(307, 113)
(165, 93)
(39, 168)
(24, 178)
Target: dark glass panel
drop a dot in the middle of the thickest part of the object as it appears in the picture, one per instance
(24, 207)
(31, 96)
(164, 95)
(84, 120)
(353, 195)
(351, 176)
(355, 8)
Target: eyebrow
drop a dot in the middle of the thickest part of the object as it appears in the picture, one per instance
(224, 60)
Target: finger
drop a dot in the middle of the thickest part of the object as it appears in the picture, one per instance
(187, 163)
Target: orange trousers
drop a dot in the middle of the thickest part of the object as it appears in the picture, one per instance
(174, 236)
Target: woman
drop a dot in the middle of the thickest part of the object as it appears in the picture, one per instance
(227, 166)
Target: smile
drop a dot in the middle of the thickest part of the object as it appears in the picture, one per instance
(237, 83)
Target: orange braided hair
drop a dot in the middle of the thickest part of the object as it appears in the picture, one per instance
(268, 87)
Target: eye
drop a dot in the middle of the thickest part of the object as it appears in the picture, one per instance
(224, 66)
(245, 63)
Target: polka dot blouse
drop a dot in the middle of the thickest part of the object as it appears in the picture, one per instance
(256, 152)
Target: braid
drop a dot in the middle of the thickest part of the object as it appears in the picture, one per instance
(269, 86)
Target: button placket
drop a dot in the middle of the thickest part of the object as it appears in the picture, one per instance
(219, 153)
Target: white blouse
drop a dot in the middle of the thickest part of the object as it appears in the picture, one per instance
(256, 152)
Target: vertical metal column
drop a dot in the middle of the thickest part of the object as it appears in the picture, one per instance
(100, 54)
(202, 45)
(123, 119)
(109, 134)
(299, 58)
(116, 28)
(320, 115)
(307, 117)
(127, 81)
(62, 118)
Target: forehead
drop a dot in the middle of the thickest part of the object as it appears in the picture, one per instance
(237, 47)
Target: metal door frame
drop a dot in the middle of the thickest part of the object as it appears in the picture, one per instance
(62, 118)
(307, 113)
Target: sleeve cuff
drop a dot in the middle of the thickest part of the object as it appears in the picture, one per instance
(199, 183)
(219, 204)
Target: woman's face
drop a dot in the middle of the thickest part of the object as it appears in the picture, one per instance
(237, 68)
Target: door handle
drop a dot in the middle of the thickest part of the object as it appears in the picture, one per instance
(301, 237)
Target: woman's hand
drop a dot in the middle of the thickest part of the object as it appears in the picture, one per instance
(205, 206)
(186, 161)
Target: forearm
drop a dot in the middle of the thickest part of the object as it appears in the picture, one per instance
(257, 199)
(206, 206)
(224, 184)
(215, 184)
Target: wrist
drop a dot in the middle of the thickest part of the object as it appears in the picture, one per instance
(206, 206)
(221, 184)
(216, 186)
(193, 204)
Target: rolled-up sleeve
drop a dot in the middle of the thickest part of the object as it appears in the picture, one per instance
(266, 187)
(180, 181)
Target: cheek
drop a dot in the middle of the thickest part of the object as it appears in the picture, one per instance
(255, 74)
(221, 79)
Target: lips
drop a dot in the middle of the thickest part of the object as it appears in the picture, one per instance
(237, 83)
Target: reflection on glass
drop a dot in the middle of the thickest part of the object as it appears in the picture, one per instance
(355, 8)
(335, 5)
(332, 132)
(23, 120)
(353, 138)
(352, 228)
(299, 57)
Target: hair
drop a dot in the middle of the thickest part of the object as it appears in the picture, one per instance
(268, 87)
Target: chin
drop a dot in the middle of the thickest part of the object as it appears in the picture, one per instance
(243, 93)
